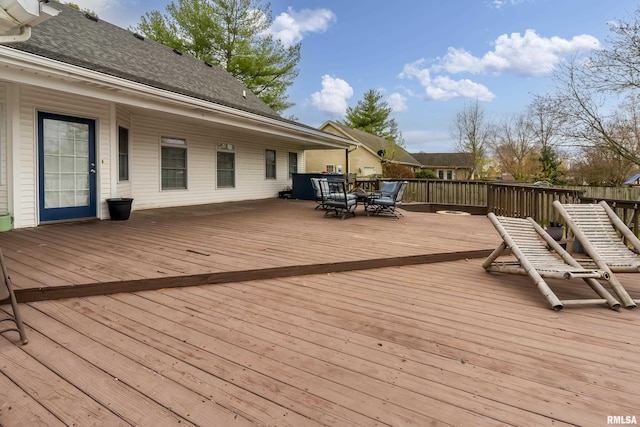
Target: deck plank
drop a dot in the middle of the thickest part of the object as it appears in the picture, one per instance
(389, 343)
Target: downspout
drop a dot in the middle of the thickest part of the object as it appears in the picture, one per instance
(346, 154)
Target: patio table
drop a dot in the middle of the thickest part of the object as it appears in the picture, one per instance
(365, 197)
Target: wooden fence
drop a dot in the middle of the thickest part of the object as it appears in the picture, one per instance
(511, 199)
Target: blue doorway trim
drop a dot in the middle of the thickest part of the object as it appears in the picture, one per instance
(70, 212)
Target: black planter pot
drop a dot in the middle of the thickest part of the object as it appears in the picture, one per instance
(556, 232)
(119, 208)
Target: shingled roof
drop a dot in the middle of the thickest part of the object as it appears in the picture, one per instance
(376, 143)
(84, 41)
(444, 160)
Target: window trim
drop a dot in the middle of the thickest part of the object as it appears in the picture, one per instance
(227, 149)
(178, 143)
(267, 165)
(292, 154)
(126, 155)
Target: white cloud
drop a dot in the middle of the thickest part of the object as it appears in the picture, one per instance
(524, 55)
(499, 3)
(290, 27)
(333, 96)
(444, 88)
(527, 55)
(397, 102)
(416, 70)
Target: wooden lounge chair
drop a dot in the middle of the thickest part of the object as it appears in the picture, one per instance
(539, 256)
(606, 240)
(6, 292)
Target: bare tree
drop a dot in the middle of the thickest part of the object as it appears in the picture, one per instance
(595, 94)
(514, 147)
(472, 132)
(600, 166)
(546, 125)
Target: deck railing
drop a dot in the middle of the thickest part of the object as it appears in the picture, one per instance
(515, 200)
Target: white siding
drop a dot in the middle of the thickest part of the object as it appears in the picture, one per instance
(34, 100)
(202, 140)
(145, 130)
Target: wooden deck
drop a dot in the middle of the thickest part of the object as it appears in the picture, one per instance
(440, 343)
(226, 242)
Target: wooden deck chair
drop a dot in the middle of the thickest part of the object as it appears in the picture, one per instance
(539, 256)
(603, 235)
(6, 292)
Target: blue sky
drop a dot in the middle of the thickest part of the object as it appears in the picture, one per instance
(428, 58)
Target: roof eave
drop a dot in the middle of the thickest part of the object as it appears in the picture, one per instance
(127, 91)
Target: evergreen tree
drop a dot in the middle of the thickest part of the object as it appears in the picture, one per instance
(231, 34)
(371, 114)
(550, 164)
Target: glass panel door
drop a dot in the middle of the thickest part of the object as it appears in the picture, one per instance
(67, 167)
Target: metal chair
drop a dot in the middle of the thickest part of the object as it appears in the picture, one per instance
(6, 292)
(336, 199)
(317, 192)
(391, 193)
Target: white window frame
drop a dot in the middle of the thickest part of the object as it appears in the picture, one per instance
(291, 172)
(128, 155)
(180, 143)
(227, 149)
(267, 166)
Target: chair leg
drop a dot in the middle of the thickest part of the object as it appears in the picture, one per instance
(16, 319)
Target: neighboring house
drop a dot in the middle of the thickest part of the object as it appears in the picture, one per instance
(447, 165)
(365, 159)
(90, 111)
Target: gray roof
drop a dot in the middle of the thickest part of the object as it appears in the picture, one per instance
(376, 143)
(73, 38)
(444, 160)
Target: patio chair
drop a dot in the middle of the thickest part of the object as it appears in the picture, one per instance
(606, 240)
(539, 256)
(336, 199)
(315, 183)
(391, 193)
(6, 292)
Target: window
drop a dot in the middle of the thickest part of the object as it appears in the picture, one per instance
(174, 163)
(226, 166)
(445, 174)
(270, 163)
(123, 154)
(293, 164)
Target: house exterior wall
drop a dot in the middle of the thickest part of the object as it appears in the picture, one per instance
(364, 163)
(19, 108)
(250, 175)
(25, 170)
(318, 160)
(361, 161)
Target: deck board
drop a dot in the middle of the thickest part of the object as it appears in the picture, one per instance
(437, 343)
(162, 243)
